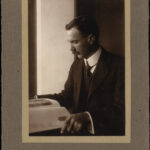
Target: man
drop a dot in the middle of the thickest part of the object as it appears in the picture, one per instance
(94, 90)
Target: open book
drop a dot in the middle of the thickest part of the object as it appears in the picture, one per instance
(46, 114)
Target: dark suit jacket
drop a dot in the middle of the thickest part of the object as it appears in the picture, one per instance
(105, 100)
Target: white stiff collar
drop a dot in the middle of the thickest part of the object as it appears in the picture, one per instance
(92, 60)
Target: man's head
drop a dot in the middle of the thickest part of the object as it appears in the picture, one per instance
(83, 36)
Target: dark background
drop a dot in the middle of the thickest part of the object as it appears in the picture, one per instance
(109, 14)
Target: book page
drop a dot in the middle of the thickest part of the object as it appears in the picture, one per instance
(43, 102)
(47, 118)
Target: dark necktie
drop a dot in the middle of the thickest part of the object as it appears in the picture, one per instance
(88, 68)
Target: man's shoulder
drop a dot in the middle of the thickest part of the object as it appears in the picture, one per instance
(112, 61)
(112, 58)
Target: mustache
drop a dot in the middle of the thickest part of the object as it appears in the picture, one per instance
(74, 51)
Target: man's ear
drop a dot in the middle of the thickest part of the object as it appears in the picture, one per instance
(91, 39)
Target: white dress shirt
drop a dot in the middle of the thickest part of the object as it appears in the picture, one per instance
(92, 60)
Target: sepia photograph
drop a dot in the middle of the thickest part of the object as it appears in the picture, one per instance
(77, 69)
(75, 75)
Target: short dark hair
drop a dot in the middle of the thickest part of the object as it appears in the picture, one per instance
(86, 25)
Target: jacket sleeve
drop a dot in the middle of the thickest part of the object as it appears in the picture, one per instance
(66, 96)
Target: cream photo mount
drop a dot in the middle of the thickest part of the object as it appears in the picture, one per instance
(73, 139)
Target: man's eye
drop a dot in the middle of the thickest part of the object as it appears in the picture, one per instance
(75, 42)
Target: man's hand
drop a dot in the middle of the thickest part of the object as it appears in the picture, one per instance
(75, 123)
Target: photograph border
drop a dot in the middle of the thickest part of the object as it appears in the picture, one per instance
(73, 139)
(12, 24)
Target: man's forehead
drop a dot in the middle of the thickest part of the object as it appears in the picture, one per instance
(73, 32)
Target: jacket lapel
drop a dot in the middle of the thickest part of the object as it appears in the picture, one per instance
(100, 73)
(78, 80)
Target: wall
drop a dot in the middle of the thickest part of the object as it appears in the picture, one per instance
(53, 52)
(109, 14)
